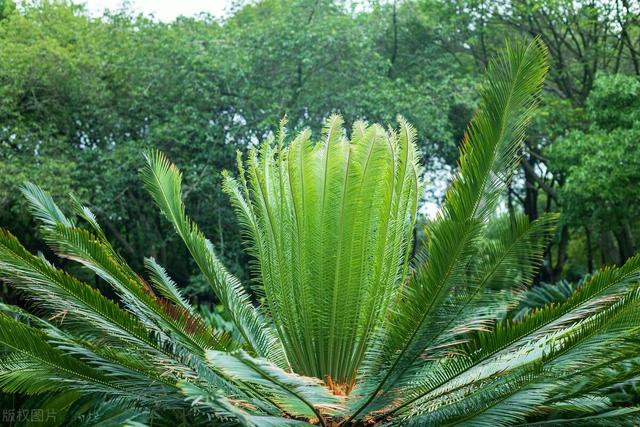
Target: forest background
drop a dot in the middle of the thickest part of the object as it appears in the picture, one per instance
(81, 96)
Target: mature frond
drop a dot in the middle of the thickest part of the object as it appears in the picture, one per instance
(207, 400)
(96, 253)
(165, 285)
(564, 338)
(163, 180)
(489, 156)
(42, 367)
(296, 395)
(63, 295)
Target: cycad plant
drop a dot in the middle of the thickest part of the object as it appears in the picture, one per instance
(352, 330)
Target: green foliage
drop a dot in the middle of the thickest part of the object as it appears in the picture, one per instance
(613, 103)
(606, 156)
(350, 329)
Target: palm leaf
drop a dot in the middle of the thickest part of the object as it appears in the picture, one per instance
(489, 156)
(165, 285)
(296, 395)
(163, 181)
(96, 253)
(37, 360)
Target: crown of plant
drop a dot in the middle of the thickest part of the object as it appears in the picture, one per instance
(351, 330)
(330, 224)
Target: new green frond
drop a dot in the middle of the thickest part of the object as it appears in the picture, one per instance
(330, 223)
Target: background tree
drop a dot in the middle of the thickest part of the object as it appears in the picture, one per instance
(605, 156)
(81, 97)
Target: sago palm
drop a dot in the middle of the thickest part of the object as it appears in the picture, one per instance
(352, 330)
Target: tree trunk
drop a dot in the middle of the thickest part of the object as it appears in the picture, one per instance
(587, 232)
(626, 242)
(561, 259)
(530, 196)
(609, 254)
